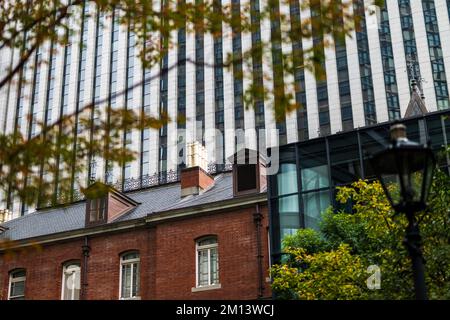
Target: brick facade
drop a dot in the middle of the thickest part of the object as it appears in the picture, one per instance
(167, 259)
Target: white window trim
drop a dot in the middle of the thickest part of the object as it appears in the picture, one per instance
(199, 248)
(19, 279)
(63, 284)
(124, 263)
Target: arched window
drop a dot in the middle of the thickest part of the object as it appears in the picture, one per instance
(71, 281)
(129, 275)
(207, 262)
(17, 284)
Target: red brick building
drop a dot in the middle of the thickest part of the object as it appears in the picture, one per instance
(201, 238)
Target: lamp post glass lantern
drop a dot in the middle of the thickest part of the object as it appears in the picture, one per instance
(405, 170)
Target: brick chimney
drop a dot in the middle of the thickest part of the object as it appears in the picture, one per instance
(195, 178)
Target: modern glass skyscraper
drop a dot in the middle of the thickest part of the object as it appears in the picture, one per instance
(367, 81)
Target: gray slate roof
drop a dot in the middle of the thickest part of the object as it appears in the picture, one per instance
(221, 190)
(152, 200)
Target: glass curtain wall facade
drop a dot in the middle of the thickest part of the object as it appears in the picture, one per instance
(436, 54)
(310, 171)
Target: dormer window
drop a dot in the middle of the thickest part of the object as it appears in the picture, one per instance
(97, 209)
(249, 169)
(246, 177)
(105, 204)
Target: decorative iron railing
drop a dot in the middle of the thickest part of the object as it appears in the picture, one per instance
(145, 181)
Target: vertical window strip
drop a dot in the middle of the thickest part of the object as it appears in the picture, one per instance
(35, 94)
(145, 133)
(448, 9)
(80, 97)
(112, 99)
(8, 90)
(22, 82)
(199, 83)
(63, 111)
(409, 40)
(21, 89)
(96, 88)
(181, 96)
(20, 103)
(299, 71)
(66, 80)
(343, 80)
(436, 55)
(238, 86)
(34, 107)
(387, 57)
(218, 88)
(163, 103)
(277, 62)
(364, 64)
(49, 98)
(321, 83)
(255, 16)
(20, 109)
(127, 168)
(50, 95)
(130, 68)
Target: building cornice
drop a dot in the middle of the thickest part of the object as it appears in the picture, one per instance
(207, 208)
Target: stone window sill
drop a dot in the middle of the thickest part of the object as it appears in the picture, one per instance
(134, 298)
(206, 288)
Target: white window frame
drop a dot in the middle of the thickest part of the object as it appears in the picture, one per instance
(63, 283)
(208, 247)
(128, 262)
(97, 212)
(19, 279)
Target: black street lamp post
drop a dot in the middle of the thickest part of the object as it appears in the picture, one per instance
(405, 170)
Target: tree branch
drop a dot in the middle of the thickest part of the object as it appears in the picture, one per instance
(27, 55)
(64, 13)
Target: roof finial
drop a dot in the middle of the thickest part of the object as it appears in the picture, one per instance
(422, 96)
(414, 85)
